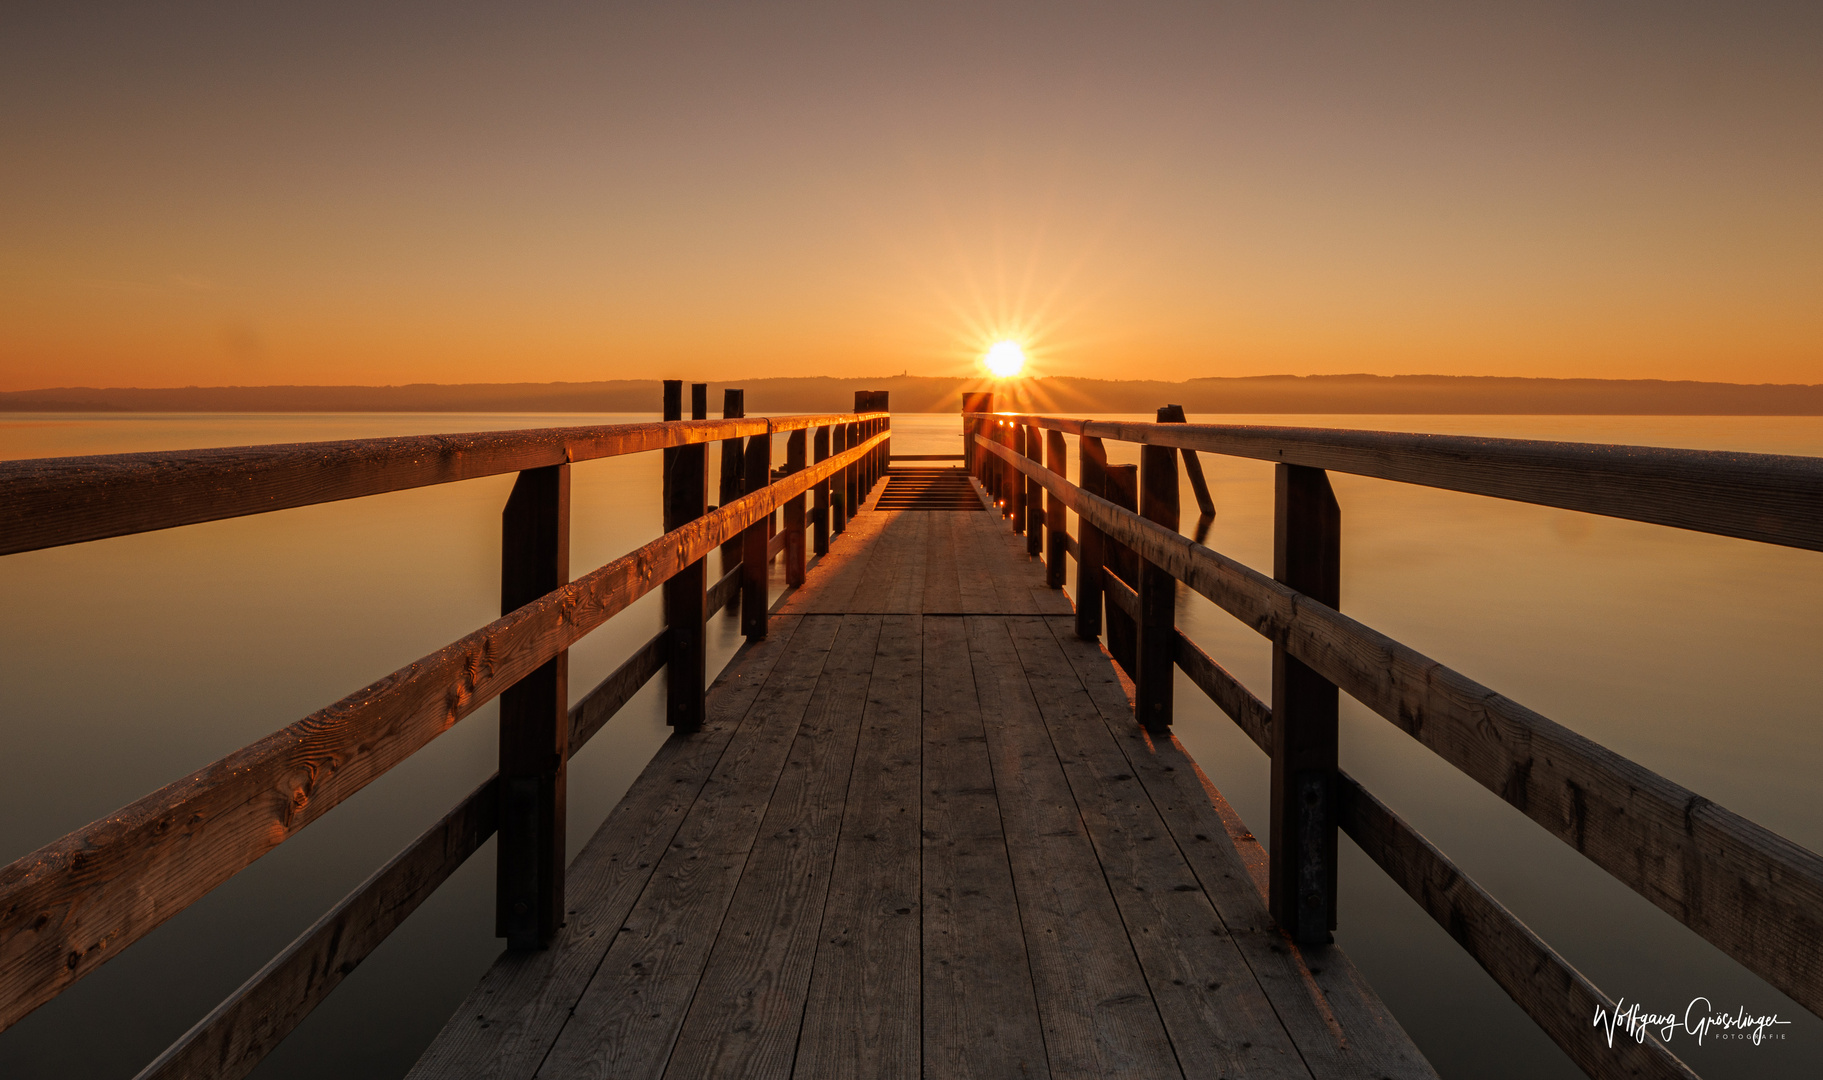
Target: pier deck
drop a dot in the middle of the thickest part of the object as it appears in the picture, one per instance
(920, 834)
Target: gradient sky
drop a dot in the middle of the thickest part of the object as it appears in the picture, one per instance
(336, 193)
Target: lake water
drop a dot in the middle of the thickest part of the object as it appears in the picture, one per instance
(127, 663)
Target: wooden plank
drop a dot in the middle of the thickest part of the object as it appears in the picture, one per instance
(72, 904)
(47, 502)
(244, 1028)
(506, 1026)
(863, 1017)
(599, 705)
(627, 1020)
(980, 1014)
(942, 578)
(903, 589)
(1098, 1013)
(1252, 715)
(1772, 498)
(1555, 995)
(1750, 892)
(1218, 1018)
(746, 1012)
(1337, 1022)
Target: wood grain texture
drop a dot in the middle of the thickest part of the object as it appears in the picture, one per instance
(1772, 498)
(1252, 715)
(1750, 892)
(71, 905)
(863, 1016)
(47, 502)
(1555, 995)
(244, 1028)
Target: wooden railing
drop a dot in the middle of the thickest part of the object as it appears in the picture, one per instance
(1751, 893)
(73, 904)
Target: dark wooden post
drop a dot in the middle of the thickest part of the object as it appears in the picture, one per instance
(794, 511)
(1193, 467)
(838, 484)
(1012, 485)
(1157, 594)
(1307, 556)
(699, 404)
(851, 503)
(754, 600)
(1057, 458)
(819, 511)
(1122, 484)
(734, 405)
(974, 403)
(534, 720)
(1092, 466)
(1034, 494)
(1016, 497)
(686, 497)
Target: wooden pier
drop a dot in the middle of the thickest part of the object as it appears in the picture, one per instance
(931, 821)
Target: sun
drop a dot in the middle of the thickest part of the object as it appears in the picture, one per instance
(1006, 359)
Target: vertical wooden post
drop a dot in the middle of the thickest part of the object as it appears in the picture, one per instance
(971, 460)
(838, 502)
(734, 406)
(754, 600)
(794, 511)
(1034, 494)
(686, 497)
(1157, 646)
(1193, 467)
(819, 536)
(851, 504)
(1307, 556)
(1092, 466)
(1012, 485)
(1122, 484)
(534, 720)
(1057, 458)
(1016, 498)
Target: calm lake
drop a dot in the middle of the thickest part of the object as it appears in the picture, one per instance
(128, 663)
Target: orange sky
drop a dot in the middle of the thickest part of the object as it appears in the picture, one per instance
(460, 192)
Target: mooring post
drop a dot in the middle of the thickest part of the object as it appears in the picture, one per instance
(686, 490)
(794, 511)
(534, 720)
(1057, 459)
(754, 600)
(1092, 467)
(1034, 494)
(819, 510)
(1307, 556)
(1157, 646)
(734, 406)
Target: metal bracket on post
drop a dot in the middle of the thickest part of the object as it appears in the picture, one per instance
(1307, 556)
(534, 720)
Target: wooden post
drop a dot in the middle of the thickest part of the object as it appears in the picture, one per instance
(1012, 485)
(1122, 485)
(534, 720)
(1016, 499)
(1057, 458)
(734, 405)
(851, 475)
(1034, 495)
(1157, 646)
(794, 511)
(1092, 467)
(1307, 556)
(1193, 466)
(754, 600)
(974, 403)
(838, 503)
(819, 536)
(686, 497)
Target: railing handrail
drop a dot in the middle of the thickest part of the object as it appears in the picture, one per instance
(78, 901)
(50, 502)
(1771, 498)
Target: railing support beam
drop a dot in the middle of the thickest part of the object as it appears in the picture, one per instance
(1306, 556)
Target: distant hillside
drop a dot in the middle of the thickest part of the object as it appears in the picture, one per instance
(1264, 394)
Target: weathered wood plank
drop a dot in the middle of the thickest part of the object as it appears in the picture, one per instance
(980, 1014)
(506, 1026)
(863, 1017)
(1219, 1020)
(244, 1028)
(626, 1021)
(1750, 892)
(47, 502)
(1098, 1013)
(1555, 995)
(1251, 714)
(1772, 498)
(71, 905)
(747, 1009)
(1337, 1022)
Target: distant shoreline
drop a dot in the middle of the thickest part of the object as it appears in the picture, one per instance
(1404, 394)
